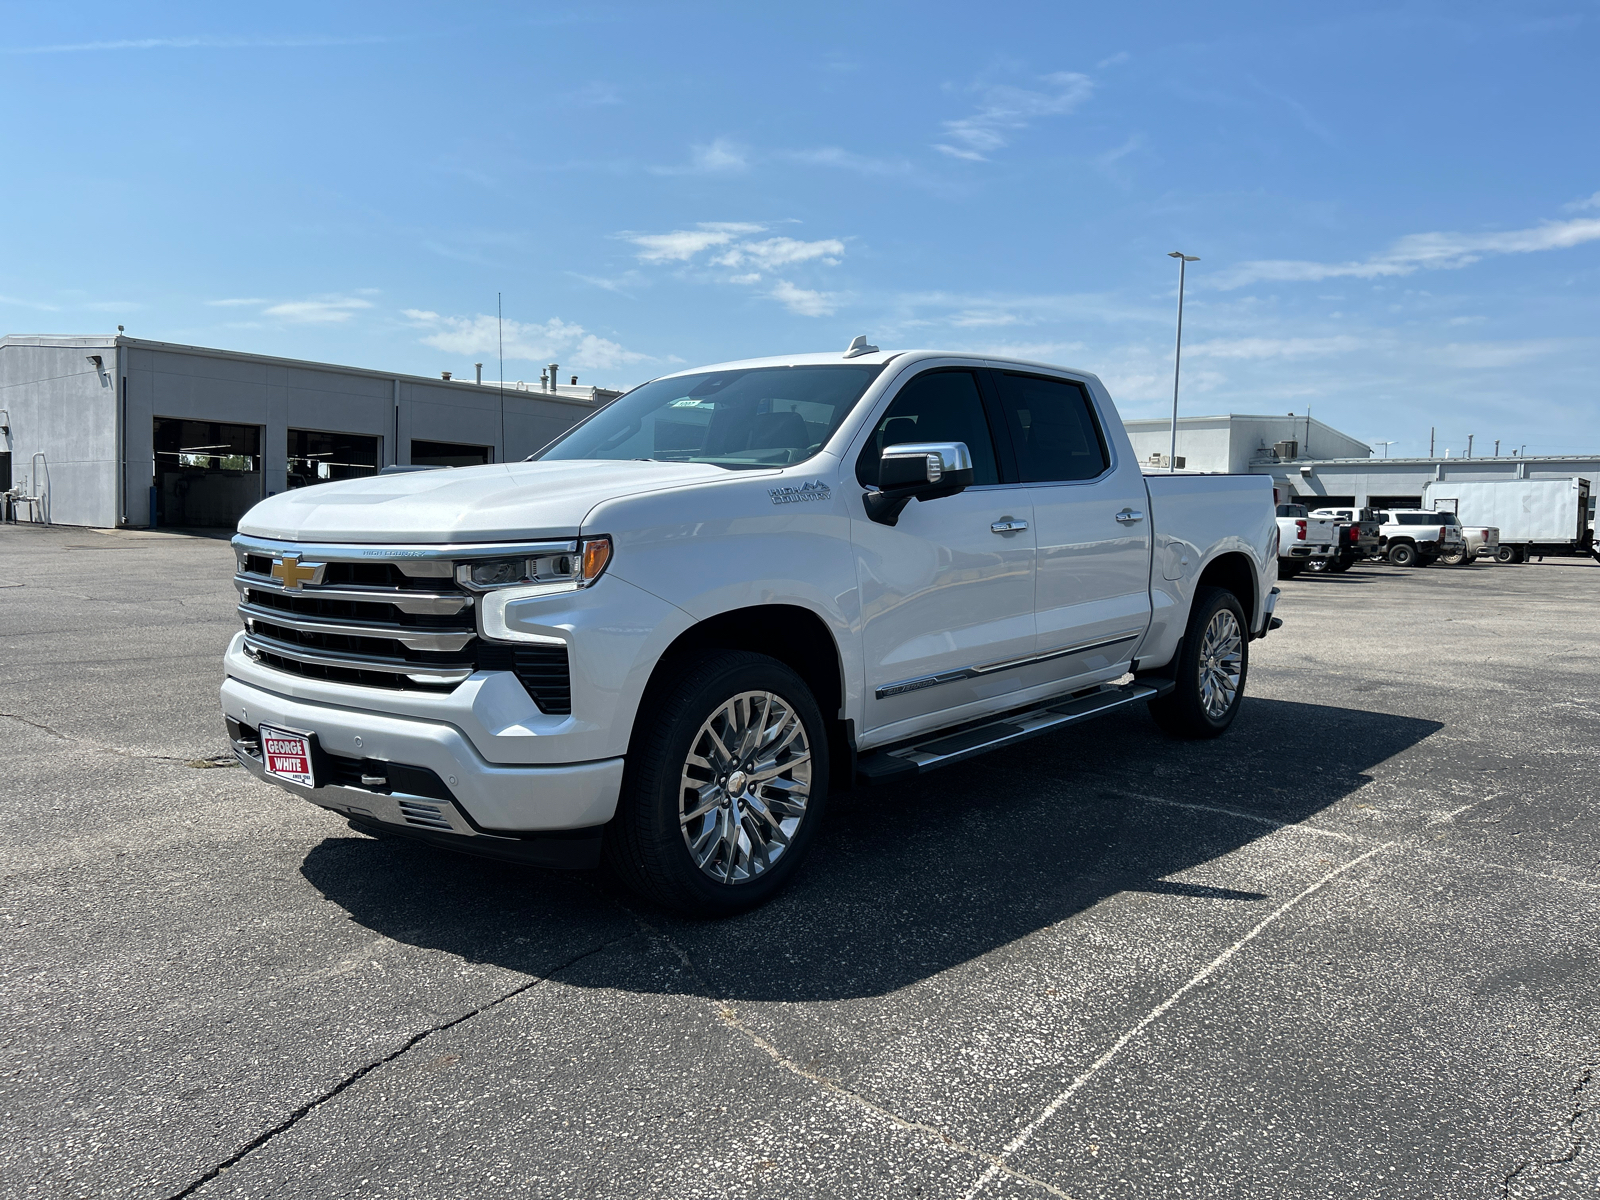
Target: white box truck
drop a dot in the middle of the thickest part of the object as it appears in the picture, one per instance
(1535, 517)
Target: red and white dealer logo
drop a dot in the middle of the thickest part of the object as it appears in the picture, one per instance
(287, 755)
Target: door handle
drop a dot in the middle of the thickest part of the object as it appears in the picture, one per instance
(1129, 515)
(1009, 525)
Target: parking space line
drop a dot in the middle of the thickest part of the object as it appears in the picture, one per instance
(1155, 1014)
(726, 1013)
(1235, 812)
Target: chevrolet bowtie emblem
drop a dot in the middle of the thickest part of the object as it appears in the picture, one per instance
(293, 573)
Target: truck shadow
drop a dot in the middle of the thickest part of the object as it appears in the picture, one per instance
(907, 881)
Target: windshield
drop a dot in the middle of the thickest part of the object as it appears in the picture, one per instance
(1419, 518)
(759, 417)
(1291, 510)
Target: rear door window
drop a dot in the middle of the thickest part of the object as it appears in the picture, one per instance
(1053, 428)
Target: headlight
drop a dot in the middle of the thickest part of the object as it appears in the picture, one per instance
(562, 571)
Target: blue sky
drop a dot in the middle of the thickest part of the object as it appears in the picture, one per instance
(1396, 207)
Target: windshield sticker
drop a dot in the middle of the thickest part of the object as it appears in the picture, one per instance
(816, 490)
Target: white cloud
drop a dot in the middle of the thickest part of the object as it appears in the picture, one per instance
(1581, 205)
(802, 301)
(683, 244)
(744, 260)
(1417, 251)
(847, 160)
(1005, 109)
(779, 252)
(34, 304)
(235, 303)
(329, 311)
(1490, 355)
(1265, 347)
(1116, 60)
(570, 344)
(720, 157)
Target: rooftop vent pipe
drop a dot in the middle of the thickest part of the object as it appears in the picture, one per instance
(555, 377)
(444, 374)
(479, 367)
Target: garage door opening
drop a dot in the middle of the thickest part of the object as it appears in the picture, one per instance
(449, 454)
(1394, 501)
(207, 473)
(316, 457)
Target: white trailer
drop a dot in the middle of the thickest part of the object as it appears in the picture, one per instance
(1535, 516)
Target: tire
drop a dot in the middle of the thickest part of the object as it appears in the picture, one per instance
(1506, 554)
(1321, 565)
(1454, 558)
(745, 844)
(1342, 564)
(1289, 569)
(1192, 710)
(1403, 554)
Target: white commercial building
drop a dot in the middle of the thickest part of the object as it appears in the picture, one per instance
(109, 431)
(1317, 465)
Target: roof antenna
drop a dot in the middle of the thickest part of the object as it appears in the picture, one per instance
(858, 346)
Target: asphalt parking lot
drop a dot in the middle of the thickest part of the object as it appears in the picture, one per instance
(1348, 950)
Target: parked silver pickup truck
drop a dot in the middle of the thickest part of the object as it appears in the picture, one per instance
(731, 589)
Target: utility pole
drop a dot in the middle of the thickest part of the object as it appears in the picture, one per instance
(1469, 444)
(1430, 441)
(1177, 356)
(500, 332)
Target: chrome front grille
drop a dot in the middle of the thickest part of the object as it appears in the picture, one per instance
(376, 616)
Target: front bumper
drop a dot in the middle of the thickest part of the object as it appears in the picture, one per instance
(480, 800)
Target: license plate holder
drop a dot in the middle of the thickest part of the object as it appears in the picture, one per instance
(287, 754)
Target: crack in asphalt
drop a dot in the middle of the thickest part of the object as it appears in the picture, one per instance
(1576, 1137)
(215, 760)
(729, 1016)
(311, 1106)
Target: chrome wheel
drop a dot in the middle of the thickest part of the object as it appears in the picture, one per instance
(745, 786)
(1221, 663)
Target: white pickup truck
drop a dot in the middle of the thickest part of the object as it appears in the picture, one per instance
(664, 637)
(1303, 539)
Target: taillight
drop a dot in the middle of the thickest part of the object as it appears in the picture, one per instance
(1300, 530)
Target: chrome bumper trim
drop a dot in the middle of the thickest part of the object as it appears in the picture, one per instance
(419, 672)
(363, 552)
(927, 681)
(445, 641)
(438, 604)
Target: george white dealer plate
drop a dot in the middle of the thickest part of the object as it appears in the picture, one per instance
(287, 755)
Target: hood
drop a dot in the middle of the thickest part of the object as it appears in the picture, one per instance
(498, 502)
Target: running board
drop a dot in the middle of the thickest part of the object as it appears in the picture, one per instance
(943, 748)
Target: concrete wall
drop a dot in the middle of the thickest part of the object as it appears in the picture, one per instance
(1238, 443)
(1365, 478)
(59, 405)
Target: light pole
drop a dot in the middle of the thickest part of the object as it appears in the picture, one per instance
(1385, 446)
(1177, 355)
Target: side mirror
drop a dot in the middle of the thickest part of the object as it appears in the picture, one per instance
(917, 471)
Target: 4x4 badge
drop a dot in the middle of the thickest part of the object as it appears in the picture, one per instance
(816, 490)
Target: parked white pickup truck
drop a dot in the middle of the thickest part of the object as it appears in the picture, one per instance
(666, 636)
(1414, 537)
(1303, 538)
